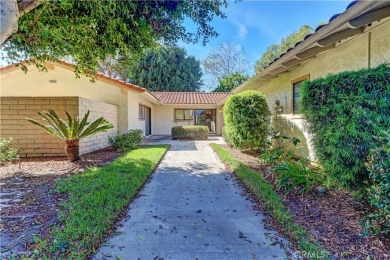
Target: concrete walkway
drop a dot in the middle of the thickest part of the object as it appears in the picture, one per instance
(192, 209)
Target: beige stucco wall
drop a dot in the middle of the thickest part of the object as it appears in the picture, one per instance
(360, 52)
(163, 118)
(133, 102)
(380, 42)
(96, 110)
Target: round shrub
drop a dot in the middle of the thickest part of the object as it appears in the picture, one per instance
(247, 120)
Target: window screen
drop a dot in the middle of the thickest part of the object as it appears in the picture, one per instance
(296, 97)
(183, 114)
(141, 112)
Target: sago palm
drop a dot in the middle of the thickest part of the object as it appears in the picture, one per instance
(71, 130)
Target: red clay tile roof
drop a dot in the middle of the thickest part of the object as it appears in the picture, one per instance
(190, 97)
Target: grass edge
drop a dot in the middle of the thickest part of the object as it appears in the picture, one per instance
(47, 241)
(263, 191)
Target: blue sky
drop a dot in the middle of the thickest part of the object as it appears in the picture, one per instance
(255, 25)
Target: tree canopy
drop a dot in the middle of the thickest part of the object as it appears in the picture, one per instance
(225, 61)
(89, 31)
(275, 50)
(118, 67)
(167, 69)
(230, 82)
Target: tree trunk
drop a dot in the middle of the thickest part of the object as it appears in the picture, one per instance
(9, 19)
(11, 11)
(72, 150)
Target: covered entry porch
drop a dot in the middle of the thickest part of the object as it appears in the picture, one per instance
(186, 109)
(167, 116)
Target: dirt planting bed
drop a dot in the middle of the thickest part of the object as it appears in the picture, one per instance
(332, 218)
(28, 204)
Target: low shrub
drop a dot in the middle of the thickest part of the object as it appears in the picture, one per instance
(127, 141)
(378, 165)
(7, 153)
(278, 152)
(298, 176)
(190, 132)
(274, 155)
(344, 112)
(247, 120)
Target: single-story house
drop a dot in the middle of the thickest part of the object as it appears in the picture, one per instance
(125, 105)
(357, 38)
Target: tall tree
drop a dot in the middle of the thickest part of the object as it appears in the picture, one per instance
(118, 67)
(274, 50)
(225, 61)
(89, 31)
(230, 82)
(167, 69)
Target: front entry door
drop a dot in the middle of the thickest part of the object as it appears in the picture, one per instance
(148, 121)
(206, 117)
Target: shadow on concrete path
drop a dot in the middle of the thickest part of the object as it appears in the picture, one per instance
(193, 209)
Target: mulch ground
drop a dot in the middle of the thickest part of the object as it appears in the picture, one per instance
(331, 218)
(28, 204)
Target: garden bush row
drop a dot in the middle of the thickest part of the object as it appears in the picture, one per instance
(190, 132)
(348, 115)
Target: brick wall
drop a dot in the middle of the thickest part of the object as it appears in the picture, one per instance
(31, 140)
(96, 110)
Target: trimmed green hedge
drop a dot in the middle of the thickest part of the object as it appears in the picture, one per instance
(247, 120)
(190, 132)
(378, 165)
(345, 112)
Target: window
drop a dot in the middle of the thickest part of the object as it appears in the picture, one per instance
(141, 112)
(297, 93)
(183, 114)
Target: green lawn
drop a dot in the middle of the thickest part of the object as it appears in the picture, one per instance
(272, 202)
(96, 198)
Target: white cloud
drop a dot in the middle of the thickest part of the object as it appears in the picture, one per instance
(253, 19)
(242, 30)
